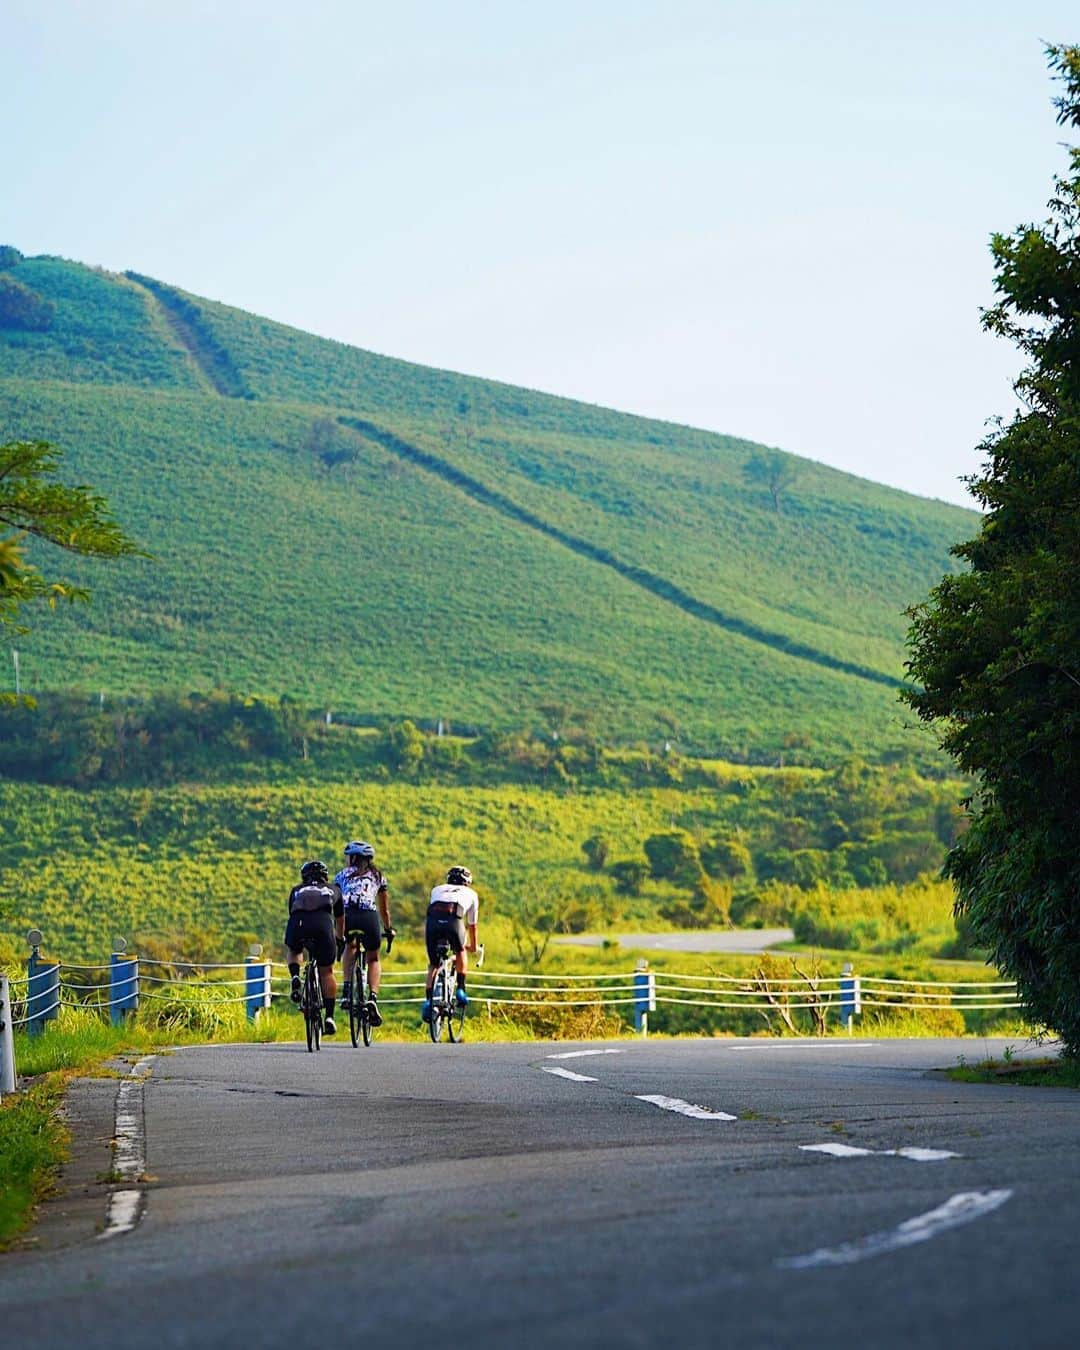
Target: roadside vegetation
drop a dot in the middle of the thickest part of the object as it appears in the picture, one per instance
(994, 649)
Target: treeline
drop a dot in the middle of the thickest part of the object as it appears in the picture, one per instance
(73, 740)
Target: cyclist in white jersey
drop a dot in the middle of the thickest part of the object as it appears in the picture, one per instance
(366, 900)
(453, 911)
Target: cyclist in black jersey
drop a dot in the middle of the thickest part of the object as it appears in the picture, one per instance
(313, 907)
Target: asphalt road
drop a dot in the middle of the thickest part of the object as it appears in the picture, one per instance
(416, 1195)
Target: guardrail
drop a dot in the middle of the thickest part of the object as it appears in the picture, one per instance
(124, 983)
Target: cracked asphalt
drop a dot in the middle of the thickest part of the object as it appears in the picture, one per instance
(415, 1191)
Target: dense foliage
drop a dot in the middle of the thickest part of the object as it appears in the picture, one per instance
(997, 649)
(33, 504)
(696, 844)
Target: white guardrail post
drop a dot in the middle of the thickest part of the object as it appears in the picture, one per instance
(850, 995)
(7, 1040)
(644, 997)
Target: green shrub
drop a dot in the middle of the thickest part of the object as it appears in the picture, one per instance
(21, 307)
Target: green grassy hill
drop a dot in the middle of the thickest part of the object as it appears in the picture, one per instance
(381, 538)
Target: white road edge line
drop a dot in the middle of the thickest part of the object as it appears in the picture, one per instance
(583, 1054)
(129, 1151)
(958, 1210)
(684, 1108)
(850, 1151)
(568, 1073)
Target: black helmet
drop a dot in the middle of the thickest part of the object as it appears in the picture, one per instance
(358, 849)
(314, 873)
(459, 876)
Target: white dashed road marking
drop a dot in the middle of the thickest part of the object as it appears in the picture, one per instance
(850, 1151)
(685, 1108)
(960, 1209)
(584, 1054)
(129, 1151)
(568, 1073)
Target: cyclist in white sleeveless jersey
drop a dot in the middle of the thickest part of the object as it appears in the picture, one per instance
(453, 913)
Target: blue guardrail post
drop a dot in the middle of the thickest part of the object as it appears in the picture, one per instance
(254, 986)
(123, 986)
(42, 992)
(850, 995)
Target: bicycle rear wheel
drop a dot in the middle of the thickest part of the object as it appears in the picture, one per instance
(312, 1009)
(438, 1007)
(455, 1020)
(365, 1021)
(355, 1015)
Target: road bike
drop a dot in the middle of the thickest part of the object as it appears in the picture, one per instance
(360, 1025)
(311, 999)
(445, 1008)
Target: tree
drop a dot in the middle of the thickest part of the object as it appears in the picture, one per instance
(73, 518)
(771, 469)
(673, 856)
(9, 257)
(596, 848)
(725, 857)
(996, 649)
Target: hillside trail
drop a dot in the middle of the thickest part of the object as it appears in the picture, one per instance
(649, 581)
(210, 362)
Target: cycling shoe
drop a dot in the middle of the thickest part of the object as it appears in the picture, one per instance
(294, 993)
(462, 998)
(373, 1013)
(425, 1011)
(329, 1027)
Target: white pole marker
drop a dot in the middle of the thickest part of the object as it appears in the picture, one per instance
(685, 1108)
(960, 1209)
(129, 1152)
(568, 1073)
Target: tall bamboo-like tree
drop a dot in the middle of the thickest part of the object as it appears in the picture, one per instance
(996, 649)
(34, 504)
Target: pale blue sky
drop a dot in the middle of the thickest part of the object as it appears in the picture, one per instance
(768, 219)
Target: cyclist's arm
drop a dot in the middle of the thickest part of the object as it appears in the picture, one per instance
(470, 945)
(383, 901)
(339, 913)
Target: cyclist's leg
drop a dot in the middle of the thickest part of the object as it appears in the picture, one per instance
(456, 935)
(348, 959)
(369, 935)
(293, 954)
(324, 949)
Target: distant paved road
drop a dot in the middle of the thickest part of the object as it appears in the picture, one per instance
(419, 1195)
(749, 941)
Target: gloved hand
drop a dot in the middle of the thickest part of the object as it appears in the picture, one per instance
(340, 947)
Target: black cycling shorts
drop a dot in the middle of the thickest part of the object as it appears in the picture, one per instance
(316, 928)
(442, 925)
(366, 923)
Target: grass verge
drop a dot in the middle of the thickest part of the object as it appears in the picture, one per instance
(1049, 1072)
(33, 1143)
